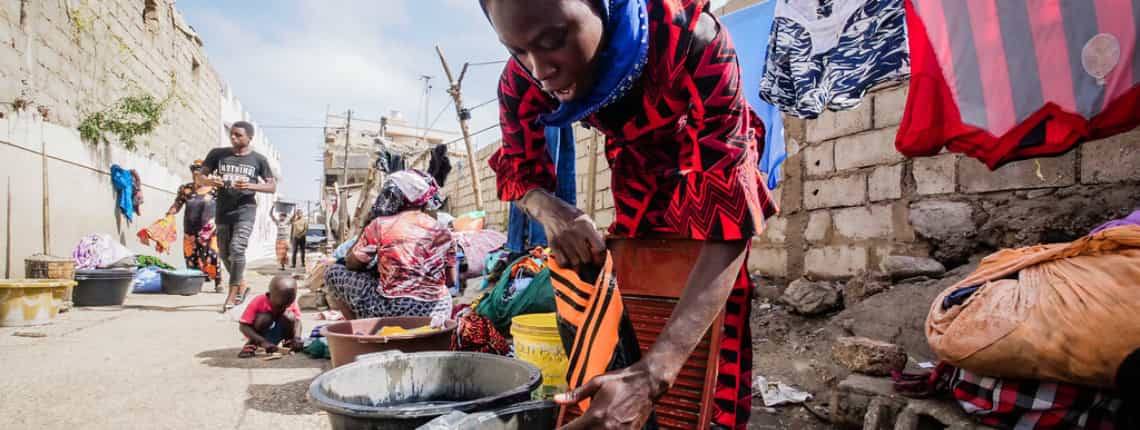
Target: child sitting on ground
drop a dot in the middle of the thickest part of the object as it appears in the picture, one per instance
(272, 318)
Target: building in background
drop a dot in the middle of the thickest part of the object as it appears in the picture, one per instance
(367, 142)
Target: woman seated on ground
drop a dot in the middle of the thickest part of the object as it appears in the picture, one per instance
(403, 261)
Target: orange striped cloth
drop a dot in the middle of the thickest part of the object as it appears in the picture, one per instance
(595, 330)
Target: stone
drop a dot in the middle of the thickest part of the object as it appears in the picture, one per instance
(819, 223)
(1116, 159)
(868, 356)
(975, 177)
(938, 219)
(948, 226)
(834, 262)
(1036, 194)
(811, 298)
(863, 223)
(872, 148)
(860, 288)
(831, 124)
(904, 266)
(857, 395)
(936, 175)
(885, 183)
(890, 105)
(850, 190)
(819, 159)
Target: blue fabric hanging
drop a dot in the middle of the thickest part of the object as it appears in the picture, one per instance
(750, 28)
(124, 184)
(523, 232)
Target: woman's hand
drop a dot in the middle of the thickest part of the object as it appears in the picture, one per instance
(622, 399)
(573, 236)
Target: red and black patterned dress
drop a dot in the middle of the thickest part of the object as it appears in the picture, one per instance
(682, 145)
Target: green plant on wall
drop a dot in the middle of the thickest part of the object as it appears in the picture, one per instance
(130, 118)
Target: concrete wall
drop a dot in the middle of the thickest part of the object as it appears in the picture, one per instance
(72, 58)
(62, 60)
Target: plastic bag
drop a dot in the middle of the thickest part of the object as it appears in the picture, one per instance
(537, 298)
(148, 280)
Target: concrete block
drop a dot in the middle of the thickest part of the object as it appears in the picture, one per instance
(819, 159)
(831, 124)
(858, 395)
(835, 261)
(819, 223)
(842, 191)
(936, 175)
(885, 183)
(604, 218)
(776, 230)
(863, 223)
(939, 219)
(1115, 159)
(868, 356)
(889, 106)
(975, 177)
(770, 262)
(871, 148)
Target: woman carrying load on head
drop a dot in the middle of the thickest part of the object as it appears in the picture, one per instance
(660, 79)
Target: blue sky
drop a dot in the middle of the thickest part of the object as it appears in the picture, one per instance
(291, 60)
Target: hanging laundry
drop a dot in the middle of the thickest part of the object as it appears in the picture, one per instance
(163, 233)
(524, 232)
(440, 165)
(137, 195)
(1007, 80)
(750, 28)
(124, 183)
(827, 54)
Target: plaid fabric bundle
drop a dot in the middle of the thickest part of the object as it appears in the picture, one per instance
(1035, 405)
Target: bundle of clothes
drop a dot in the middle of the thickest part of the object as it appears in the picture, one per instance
(521, 287)
(1044, 337)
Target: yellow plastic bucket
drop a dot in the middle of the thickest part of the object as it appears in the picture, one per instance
(28, 302)
(537, 342)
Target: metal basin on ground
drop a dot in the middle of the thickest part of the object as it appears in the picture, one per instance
(396, 391)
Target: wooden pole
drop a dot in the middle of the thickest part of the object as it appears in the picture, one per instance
(8, 235)
(456, 95)
(47, 199)
(592, 175)
(343, 195)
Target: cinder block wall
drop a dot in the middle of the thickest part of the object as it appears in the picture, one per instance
(73, 58)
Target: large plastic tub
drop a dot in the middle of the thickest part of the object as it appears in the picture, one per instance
(536, 415)
(29, 302)
(537, 342)
(182, 282)
(398, 391)
(349, 339)
(102, 287)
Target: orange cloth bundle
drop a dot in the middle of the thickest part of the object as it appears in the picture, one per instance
(1061, 312)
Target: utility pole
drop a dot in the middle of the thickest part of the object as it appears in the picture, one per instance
(455, 90)
(343, 195)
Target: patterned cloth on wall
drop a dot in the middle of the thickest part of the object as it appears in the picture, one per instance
(827, 54)
(1008, 80)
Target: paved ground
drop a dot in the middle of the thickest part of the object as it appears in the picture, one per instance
(158, 362)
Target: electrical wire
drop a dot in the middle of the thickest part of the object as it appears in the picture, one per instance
(483, 104)
(489, 128)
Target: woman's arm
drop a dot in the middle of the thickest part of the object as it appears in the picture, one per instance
(179, 201)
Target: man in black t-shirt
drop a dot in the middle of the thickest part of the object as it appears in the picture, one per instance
(238, 172)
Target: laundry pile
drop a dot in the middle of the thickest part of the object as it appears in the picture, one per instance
(522, 287)
(1045, 337)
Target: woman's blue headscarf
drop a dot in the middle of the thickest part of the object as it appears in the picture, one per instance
(625, 48)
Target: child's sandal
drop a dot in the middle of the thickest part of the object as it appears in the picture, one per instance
(247, 351)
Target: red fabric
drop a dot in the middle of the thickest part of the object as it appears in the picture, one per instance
(414, 253)
(475, 333)
(1034, 405)
(932, 120)
(682, 143)
(259, 304)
